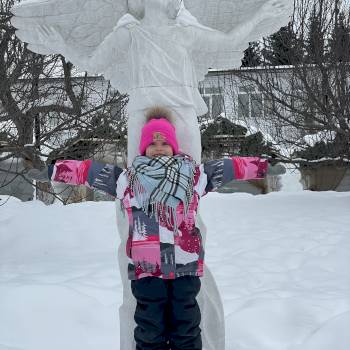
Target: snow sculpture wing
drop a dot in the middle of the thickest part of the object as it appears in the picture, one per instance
(83, 24)
(242, 20)
(226, 15)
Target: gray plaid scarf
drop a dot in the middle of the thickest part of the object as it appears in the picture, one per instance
(161, 183)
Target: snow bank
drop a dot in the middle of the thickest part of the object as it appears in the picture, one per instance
(281, 263)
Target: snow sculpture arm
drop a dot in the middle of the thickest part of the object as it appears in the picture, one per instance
(92, 34)
(257, 17)
(114, 46)
(92, 174)
(221, 171)
(222, 29)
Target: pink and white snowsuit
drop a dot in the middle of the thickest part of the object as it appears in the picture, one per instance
(153, 248)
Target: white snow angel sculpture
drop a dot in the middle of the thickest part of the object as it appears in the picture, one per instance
(157, 51)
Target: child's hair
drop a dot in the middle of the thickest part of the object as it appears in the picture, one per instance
(158, 112)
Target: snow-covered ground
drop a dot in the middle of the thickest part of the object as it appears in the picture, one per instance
(282, 264)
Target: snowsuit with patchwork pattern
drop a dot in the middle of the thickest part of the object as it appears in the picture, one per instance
(153, 248)
(155, 251)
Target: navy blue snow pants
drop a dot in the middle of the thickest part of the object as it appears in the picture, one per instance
(167, 313)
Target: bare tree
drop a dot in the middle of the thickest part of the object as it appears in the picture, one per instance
(46, 103)
(304, 102)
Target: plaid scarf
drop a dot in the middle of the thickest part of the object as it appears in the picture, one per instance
(161, 183)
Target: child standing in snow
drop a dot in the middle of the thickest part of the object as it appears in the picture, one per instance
(160, 193)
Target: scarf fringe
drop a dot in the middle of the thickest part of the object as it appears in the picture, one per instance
(159, 210)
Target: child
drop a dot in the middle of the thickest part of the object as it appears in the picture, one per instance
(160, 193)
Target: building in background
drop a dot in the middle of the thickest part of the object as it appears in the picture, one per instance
(232, 94)
(228, 97)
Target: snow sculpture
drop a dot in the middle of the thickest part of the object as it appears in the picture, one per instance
(156, 51)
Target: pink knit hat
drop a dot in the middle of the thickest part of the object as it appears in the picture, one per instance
(158, 129)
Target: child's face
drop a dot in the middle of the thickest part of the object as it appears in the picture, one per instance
(159, 148)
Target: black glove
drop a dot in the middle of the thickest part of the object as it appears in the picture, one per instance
(275, 170)
(35, 168)
(38, 175)
(272, 159)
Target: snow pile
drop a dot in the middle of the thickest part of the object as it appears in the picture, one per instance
(291, 180)
(325, 136)
(281, 262)
(253, 127)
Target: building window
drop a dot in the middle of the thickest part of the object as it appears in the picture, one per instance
(213, 97)
(256, 101)
(243, 106)
(250, 105)
(215, 104)
(212, 90)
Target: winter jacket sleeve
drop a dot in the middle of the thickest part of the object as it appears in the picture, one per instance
(92, 174)
(221, 171)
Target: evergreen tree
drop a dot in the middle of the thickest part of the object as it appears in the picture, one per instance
(315, 42)
(281, 48)
(252, 55)
(339, 43)
(244, 144)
